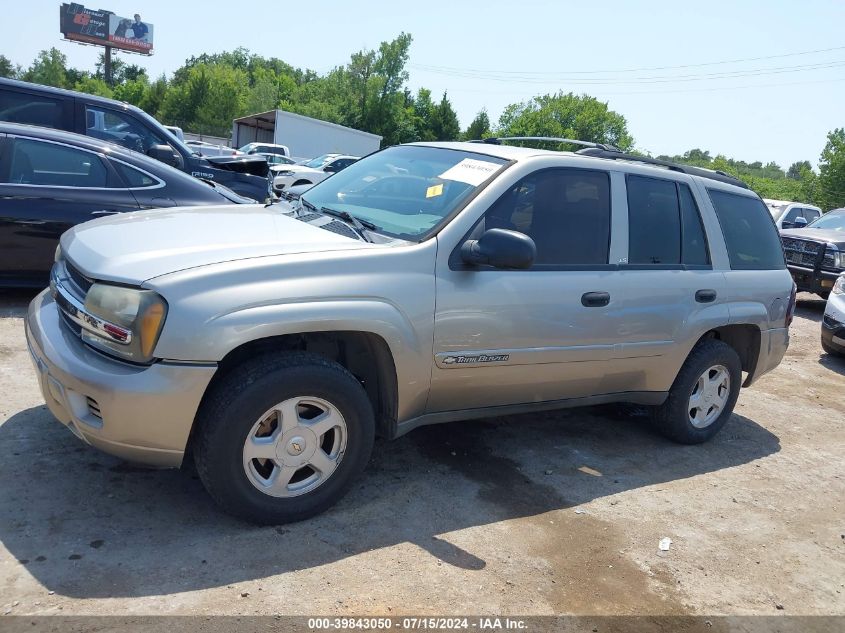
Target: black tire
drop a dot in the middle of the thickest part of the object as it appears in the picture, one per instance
(230, 410)
(672, 417)
(832, 350)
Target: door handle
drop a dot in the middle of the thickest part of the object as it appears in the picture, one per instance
(595, 299)
(104, 212)
(705, 296)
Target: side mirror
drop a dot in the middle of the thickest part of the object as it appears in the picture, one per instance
(166, 155)
(500, 248)
(800, 223)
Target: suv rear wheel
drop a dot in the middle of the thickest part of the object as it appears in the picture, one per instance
(703, 395)
(282, 438)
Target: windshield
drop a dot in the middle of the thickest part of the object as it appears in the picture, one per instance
(318, 162)
(408, 190)
(834, 221)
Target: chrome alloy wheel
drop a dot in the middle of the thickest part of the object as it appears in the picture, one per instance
(295, 446)
(709, 396)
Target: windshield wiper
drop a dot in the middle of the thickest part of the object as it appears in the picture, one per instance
(358, 224)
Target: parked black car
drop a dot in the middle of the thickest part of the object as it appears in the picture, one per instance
(124, 124)
(51, 180)
(815, 255)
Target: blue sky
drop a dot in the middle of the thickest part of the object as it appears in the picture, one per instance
(488, 54)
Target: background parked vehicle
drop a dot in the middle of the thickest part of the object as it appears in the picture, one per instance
(310, 173)
(211, 149)
(266, 148)
(51, 180)
(792, 215)
(816, 254)
(833, 323)
(176, 131)
(124, 124)
(301, 135)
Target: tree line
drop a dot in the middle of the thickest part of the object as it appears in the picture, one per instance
(370, 93)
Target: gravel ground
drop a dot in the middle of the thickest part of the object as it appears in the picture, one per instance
(556, 513)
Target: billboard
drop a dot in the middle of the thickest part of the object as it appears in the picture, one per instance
(105, 28)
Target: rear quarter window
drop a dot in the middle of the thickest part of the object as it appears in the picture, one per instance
(750, 235)
(21, 107)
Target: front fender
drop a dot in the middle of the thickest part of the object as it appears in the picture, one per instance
(222, 333)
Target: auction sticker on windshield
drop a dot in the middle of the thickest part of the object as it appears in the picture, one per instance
(471, 171)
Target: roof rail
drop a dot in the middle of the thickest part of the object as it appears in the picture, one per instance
(615, 154)
(554, 139)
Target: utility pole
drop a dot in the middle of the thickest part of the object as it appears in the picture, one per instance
(107, 69)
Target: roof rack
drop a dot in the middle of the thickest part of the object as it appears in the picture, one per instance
(553, 139)
(616, 154)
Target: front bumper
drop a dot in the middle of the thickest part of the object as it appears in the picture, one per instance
(812, 280)
(833, 333)
(140, 413)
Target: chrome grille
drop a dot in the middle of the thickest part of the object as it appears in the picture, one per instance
(801, 252)
(80, 281)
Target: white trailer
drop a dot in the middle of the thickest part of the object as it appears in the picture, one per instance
(304, 136)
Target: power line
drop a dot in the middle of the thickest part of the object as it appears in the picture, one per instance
(657, 79)
(679, 91)
(634, 70)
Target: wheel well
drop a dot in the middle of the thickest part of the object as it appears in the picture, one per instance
(744, 339)
(366, 356)
(301, 182)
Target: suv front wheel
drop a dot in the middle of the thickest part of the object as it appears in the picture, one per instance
(703, 395)
(282, 437)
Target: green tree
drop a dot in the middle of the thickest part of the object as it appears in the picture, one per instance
(50, 68)
(446, 124)
(93, 86)
(479, 128)
(795, 169)
(207, 99)
(7, 68)
(132, 91)
(580, 117)
(831, 181)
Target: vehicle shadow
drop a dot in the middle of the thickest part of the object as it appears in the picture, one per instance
(86, 525)
(833, 363)
(810, 307)
(14, 302)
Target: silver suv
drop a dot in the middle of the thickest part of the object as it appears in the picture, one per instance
(425, 283)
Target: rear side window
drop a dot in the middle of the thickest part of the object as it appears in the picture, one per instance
(750, 235)
(39, 163)
(133, 178)
(19, 107)
(811, 214)
(664, 225)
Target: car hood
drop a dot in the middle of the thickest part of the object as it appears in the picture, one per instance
(133, 247)
(243, 164)
(817, 235)
(300, 169)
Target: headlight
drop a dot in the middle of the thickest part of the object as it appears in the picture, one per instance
(286, 172)
(138, 313)
(839, 286)
(833, 258)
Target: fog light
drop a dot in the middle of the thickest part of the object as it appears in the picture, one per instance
(827, 283)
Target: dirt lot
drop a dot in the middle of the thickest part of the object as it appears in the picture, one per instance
(540, 514)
